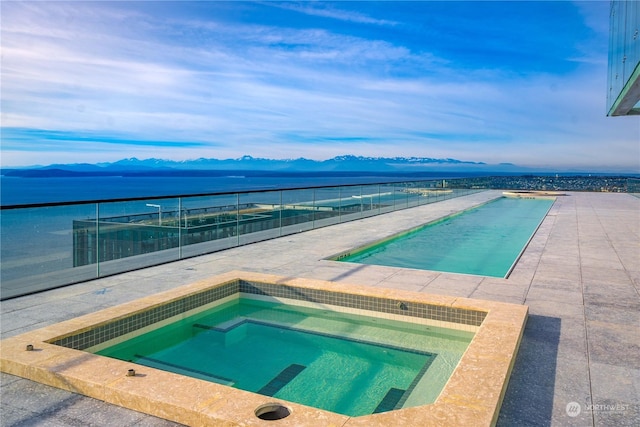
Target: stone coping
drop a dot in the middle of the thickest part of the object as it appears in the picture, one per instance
(532, 193)
(472, 396)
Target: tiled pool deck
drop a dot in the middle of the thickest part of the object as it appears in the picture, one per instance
(580, 277)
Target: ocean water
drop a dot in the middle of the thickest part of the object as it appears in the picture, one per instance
(19, 190)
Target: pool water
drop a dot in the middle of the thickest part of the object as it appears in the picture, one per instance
(485, 241)
(349, 364)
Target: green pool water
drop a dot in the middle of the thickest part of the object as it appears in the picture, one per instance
(349, 364)
(484, 241)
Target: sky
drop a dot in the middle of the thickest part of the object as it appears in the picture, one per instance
(495, 82)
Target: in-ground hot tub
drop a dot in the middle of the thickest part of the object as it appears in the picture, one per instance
(56, 355)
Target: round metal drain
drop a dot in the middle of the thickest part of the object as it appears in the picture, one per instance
(272, 412)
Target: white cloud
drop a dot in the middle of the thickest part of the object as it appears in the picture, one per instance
(327, 11)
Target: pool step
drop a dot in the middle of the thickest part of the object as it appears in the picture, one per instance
(390, 400)
(178, 369)
(223, 327)
(281, 380)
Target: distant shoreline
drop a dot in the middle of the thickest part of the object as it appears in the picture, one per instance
(65, 173)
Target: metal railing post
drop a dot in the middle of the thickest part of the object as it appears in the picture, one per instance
(237, 219)
(280, 214)
(180, 227)
(97, 239)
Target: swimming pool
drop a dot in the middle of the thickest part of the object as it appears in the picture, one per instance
(344, 363)
(486, 240)
(57, 355)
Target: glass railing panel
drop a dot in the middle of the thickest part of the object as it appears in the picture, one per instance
(404, 197)
(260, 216)
(131, 235)
(358, 201)
(297, 210)
(425, 191)
(371, 200)
(460, 192)
(633, 186)
(394, 188)
(209, 224)
(445, 193)
(36, 249)
(439, 194)
(413, 196)
(387, 198)
(327, 207)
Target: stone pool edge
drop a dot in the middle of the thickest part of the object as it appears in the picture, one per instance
(472, 396)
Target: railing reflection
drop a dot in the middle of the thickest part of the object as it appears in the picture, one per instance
(53, 245)
(633, 186)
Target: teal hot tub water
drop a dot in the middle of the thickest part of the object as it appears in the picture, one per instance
(485, 241)
(344, 363)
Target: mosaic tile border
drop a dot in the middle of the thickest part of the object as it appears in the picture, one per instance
(117, 328)
(363, 302)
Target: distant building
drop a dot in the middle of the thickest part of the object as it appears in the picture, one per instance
(623, 95)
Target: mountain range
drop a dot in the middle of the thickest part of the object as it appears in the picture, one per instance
(253, 165)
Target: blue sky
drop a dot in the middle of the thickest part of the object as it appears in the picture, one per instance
(520, 82)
